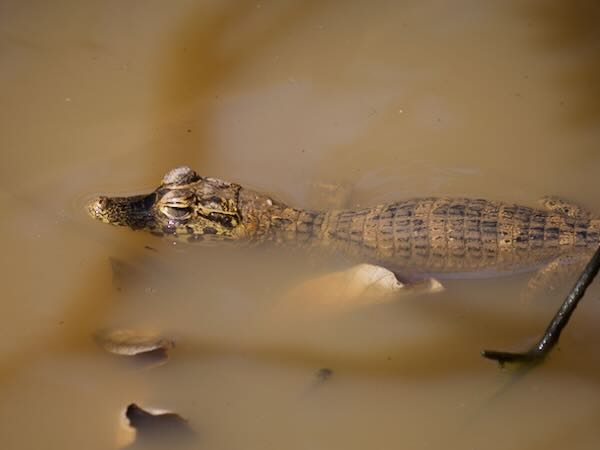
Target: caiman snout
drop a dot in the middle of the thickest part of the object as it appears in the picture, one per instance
(134, 211)
(97, 208)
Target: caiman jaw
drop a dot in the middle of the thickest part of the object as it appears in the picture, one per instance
(134, 211)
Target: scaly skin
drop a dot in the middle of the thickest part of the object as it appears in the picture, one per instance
(457, 236)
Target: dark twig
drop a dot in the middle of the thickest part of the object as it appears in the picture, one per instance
(540, 350)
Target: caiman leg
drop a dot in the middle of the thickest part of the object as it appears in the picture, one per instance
(554, 274)
(563, 206)
(564, 266)
(328, 196)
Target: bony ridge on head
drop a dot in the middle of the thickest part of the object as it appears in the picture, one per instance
(179, 176)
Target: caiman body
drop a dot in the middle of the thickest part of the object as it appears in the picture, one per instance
(444, 236)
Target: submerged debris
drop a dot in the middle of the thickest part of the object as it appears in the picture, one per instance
(324, 374)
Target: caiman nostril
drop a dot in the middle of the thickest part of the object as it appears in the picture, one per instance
(97, 206)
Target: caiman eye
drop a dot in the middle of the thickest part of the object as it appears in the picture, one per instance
(177, 204)
(176, 212)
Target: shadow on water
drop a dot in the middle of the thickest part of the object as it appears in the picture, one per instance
(574, 432)
(207, 50)
(84, 314)
(571, 30)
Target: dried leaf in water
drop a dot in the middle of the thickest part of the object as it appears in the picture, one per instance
(152, 426)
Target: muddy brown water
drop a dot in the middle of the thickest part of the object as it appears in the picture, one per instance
(395, 99)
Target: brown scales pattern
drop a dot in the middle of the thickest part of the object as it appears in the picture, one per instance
(437, 235)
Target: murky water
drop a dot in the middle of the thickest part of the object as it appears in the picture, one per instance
(394, 99)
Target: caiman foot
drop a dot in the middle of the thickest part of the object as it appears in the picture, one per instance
(329, 195)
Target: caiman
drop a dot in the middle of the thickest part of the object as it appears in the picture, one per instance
(442, 237)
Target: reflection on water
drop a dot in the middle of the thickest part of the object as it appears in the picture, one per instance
(403, 99)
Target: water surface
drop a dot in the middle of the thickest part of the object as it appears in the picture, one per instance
(394, 99)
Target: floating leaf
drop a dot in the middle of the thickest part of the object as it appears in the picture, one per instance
(144, 346)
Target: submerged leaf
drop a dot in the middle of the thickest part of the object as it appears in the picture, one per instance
(359, 286)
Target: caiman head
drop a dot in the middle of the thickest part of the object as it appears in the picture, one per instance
(185, 206)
